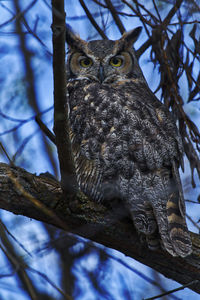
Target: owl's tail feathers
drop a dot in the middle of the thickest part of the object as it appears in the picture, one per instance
(174, 234)
(170, 215)
(178, 232)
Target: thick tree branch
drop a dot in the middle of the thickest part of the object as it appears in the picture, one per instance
(41, 198)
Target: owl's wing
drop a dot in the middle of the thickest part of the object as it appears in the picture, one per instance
(155, 193)
(88, 172)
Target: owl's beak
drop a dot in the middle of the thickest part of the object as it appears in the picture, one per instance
(101, 74)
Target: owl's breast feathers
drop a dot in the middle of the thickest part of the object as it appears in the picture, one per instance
(122, 126)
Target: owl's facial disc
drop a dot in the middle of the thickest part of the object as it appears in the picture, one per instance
(103, 61)
(106, 69)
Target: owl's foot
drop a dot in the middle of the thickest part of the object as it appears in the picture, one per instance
(144, 221)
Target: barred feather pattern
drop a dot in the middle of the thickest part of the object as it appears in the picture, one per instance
(126, 144)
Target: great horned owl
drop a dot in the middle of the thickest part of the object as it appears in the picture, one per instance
(124, 140)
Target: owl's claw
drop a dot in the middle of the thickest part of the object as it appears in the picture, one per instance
(144, 222)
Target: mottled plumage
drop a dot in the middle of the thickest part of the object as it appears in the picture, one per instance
(125, 142)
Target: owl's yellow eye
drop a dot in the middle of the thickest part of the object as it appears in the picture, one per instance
(85, 62)
(116, 61)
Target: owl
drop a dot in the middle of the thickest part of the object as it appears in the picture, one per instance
(124, 141)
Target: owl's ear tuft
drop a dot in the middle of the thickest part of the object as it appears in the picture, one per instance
(129, 38)
(73, 40)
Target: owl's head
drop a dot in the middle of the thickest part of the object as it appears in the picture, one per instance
(103, 61)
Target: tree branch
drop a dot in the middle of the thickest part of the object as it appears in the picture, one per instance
(115, 16)
(92, 20)
(41, 198)
(61, 124)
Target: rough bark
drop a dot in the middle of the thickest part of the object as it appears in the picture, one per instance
(41, 198)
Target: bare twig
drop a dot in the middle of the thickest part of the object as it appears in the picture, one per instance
(6, 153)
(21, 268)
(184, 23)
(14, 238)
(36, 36)
(18, 265)
(90, 17)
(156, 9)
(193, 222)
(171, 13)
(152, 16)
(45, 277)
(45, 129)
(20, 122)
(138, 14)
(115, 16)
(117, 7)
(19, 14)
(142, 275)
(174, 290)
(99, 3)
